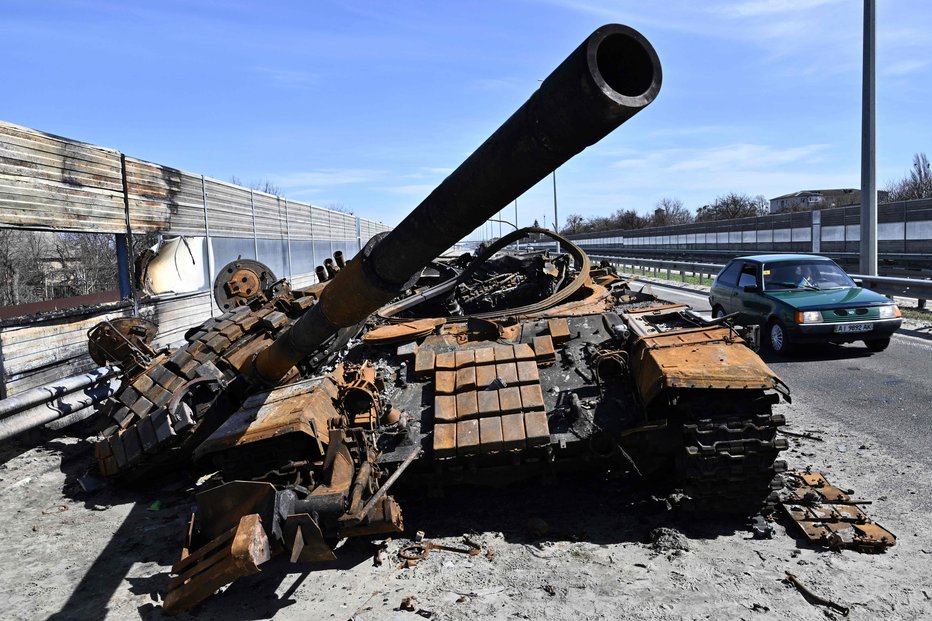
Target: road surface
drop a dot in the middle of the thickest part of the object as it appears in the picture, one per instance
(886, 395)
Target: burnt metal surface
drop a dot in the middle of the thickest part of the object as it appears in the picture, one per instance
(125, 341)
(241, 281)
(303, 409)
(830, 517)
(610, 77)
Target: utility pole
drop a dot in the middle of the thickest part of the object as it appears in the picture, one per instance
(556, 220)
(868, 242)
(517, 241)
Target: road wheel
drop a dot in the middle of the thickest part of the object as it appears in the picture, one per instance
(717, 312)
(777, 338)
(877, 344)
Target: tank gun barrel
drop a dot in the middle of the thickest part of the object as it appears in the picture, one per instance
(611, 76)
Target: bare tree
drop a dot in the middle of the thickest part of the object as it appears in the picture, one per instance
(730, 206)
(628, 219)
(916, 184)
(338, 207)
(86, 262)
(260, 186)
(669, 211)
(574, 224)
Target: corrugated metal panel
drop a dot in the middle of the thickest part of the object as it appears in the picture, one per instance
(299, 220)
(36, 354)
(49, 181)
(303, 280)
(164, 199)
(270, 216)
(229, 212)
(176, 315)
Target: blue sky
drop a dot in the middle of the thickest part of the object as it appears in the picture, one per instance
(369, 105)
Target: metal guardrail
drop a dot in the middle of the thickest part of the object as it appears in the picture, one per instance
(918, 288)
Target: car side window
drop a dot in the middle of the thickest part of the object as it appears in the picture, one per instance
(729, 275)
(748, 276)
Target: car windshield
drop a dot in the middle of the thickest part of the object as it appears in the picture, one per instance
(813, 275)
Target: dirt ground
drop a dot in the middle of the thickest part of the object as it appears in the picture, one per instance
(589, 548)
(69, 554)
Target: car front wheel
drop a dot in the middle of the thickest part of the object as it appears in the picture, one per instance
(778, 339)
(718, 312)
(877, 344)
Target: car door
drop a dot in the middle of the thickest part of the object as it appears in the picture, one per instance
(750, 302)
(724, 289)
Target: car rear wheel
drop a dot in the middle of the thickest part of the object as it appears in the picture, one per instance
(778, 339)
(877, 344)
(717, 312)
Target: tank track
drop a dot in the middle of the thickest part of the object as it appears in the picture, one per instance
(728, 465)
(145, 433)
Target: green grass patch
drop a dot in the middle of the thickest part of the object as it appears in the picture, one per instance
(674, 276)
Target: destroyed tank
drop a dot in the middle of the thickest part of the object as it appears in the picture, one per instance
(402, 364)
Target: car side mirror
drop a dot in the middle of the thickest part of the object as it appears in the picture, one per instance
(859, 282)
(752, 289)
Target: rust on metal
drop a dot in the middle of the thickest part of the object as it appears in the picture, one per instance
(236, 553)
(400, 332)
(828, 516)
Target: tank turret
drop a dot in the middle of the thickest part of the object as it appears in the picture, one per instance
(605, 81)
(162, 413)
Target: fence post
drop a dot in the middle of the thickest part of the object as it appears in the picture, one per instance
(255, 235)
(210, 249)
(125, 265)
(310, 209)
(358, 235)
(816, 230)
(288, 240)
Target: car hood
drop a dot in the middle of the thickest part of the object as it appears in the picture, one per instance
(830, 298)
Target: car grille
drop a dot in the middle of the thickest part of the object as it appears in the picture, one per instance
(849, 312)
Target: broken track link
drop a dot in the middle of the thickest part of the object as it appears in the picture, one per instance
(728, 465)
(146, 433)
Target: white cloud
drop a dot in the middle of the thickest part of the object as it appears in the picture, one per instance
(757, 8)
(419, 190)
(735, 157)
(326, 177)
(904, 67)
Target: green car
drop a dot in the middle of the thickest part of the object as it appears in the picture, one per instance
(799, 298)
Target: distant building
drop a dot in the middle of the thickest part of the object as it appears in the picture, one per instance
(806, 200)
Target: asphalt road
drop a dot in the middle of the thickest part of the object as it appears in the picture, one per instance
(887, 395)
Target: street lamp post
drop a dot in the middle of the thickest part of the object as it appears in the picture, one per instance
(517, 242)
(556, 220)
(868, 242)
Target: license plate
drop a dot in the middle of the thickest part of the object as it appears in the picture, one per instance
(854, 327)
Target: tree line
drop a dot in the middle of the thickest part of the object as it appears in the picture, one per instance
(916, 184)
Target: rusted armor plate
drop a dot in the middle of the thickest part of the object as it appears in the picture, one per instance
(827, 515)
(398, 332)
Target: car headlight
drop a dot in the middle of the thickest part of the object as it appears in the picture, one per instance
(890, 311)
(808, 317)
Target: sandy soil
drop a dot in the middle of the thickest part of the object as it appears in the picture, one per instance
(69, 554)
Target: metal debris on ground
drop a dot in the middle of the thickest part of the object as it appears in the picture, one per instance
(419, 551)
(761, 528)
(812, 598)
(827, 515)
